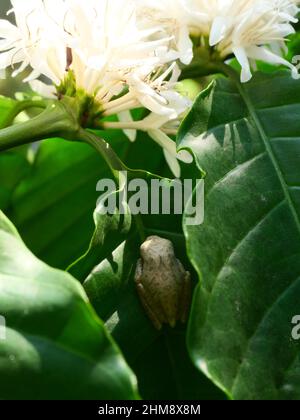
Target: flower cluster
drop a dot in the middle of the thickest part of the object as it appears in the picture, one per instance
(253, 30)
(99, 46)
(248, 29)
(126, 54)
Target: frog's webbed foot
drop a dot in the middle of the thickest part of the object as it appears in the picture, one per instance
(186, 298)
(143, 297)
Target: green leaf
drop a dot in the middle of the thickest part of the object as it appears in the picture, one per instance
(53, 206)
(14, 167)
(55, 346)
(110, 231)
(247, 139)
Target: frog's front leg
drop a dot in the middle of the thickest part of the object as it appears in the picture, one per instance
(186, 298)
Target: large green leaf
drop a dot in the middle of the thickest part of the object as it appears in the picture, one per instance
(55, 346)
(247, 252)
(14, 167)
(53, 206)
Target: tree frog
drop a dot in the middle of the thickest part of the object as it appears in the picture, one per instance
(163, 285)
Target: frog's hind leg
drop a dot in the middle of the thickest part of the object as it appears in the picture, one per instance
(154, 319)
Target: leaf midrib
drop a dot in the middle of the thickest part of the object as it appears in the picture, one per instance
(265, 138)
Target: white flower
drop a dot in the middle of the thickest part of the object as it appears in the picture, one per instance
(250, 29)
(21, 44)
(174, 19)
(102, 49)
(164, 119)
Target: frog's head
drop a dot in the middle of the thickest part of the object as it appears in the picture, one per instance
(156, 248)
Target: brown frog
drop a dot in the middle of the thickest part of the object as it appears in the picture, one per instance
(163, 285)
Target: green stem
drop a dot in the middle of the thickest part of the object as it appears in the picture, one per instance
(140, 227)
(115, 165)
(54, 121)
(105, 150)
(199, 69)
(229, 72)
(20, 107)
